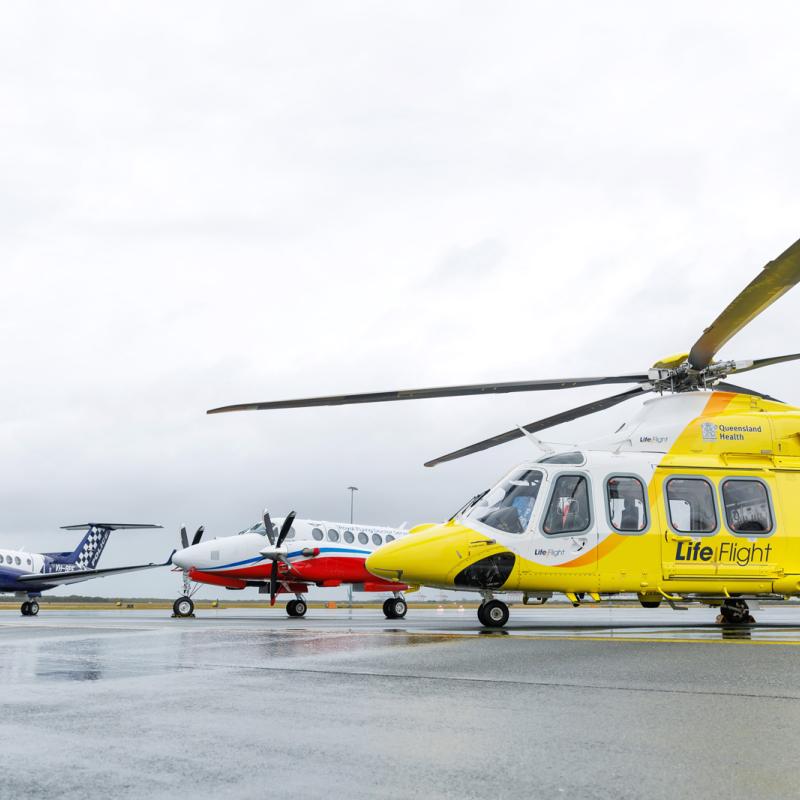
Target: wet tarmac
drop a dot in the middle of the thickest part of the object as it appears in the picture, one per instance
(594, 702)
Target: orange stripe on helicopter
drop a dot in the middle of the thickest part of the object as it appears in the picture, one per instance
(602, 549)
(717, 403)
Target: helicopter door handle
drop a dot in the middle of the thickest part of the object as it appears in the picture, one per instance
(672, 537)
(486, 542)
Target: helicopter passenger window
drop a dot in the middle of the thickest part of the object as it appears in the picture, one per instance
(746, 506)
(691, 505)
(317, 534)
(626, 505)
(508, 507)
(568, 511)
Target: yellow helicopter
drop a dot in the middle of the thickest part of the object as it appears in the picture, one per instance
(697, 497)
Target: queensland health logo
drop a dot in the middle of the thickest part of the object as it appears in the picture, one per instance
(709, 430)
(712, 432)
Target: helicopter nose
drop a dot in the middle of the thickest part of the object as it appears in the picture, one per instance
(431, 557)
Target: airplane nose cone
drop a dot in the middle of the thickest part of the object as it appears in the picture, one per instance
(179, 558)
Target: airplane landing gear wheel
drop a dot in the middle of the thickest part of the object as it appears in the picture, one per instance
(296, 608)
(25, 609)
(493, 614)
(395, 608)
(33, 608)
(183, 607)
(735, 612)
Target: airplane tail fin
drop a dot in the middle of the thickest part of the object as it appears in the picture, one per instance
(88, 552)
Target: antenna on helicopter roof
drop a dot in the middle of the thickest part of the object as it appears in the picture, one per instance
(538, 443)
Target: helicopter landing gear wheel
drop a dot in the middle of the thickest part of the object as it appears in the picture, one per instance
(493, 614)
(735, 612)
(296, 608)
(183, 607)
(394, 608)
(25, 609)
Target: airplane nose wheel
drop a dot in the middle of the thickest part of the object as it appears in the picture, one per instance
(493, 614)
(395, 608)
(183, 607)
(296, 608)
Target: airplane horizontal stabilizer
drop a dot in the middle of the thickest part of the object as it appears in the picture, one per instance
(110, 526)
(76, 576)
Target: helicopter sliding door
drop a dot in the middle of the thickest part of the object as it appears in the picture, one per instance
(718, 531)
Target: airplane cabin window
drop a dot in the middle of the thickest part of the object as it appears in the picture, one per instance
(292, 533)
(509, 506)
(389, 537)
(17, 560)
(317, 534)
(28, 561)
(691, 505)
(746, 505)
(9, 560)
(626, 504)
(569, 510)
(376, 540)
(348, 537)
(363, 538)
(333, 536)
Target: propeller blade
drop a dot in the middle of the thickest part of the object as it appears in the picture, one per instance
(273, 582)
(443, 391)
(285, 528)
(268, 527)
(723, 386)
(548, 422)
(198, 534)
(772, 282)
(747, 366)
(184, 537)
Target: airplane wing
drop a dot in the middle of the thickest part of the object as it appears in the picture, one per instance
(76, 576)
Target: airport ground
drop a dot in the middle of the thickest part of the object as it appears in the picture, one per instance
(596, 702)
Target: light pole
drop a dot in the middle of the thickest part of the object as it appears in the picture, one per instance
(352, 490)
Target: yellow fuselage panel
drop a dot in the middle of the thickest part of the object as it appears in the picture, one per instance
(735, 436)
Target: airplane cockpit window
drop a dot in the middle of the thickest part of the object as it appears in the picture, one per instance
(508, 507)
(348, 537)
(691, 505)
(746, 506)
(626, 505)
(569, 510)
(317, 534)
(363, 538)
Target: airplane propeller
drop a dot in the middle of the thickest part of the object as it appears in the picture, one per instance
(276, 551)
(195, 539)
(683, 373)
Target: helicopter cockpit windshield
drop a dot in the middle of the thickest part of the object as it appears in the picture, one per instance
(509, 505)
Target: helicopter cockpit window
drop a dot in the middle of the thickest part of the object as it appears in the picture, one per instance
(508, 507)
(573, 457)
(746, 506)
(691, 505)
(568, 511)
(626, 505)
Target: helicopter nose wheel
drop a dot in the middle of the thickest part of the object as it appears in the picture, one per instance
(395, 608)
(493, 614)
(296, 608)
(735, 612)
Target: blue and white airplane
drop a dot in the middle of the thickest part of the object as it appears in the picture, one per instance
(24, 573)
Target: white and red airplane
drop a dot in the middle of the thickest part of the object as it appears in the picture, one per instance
(288, 556)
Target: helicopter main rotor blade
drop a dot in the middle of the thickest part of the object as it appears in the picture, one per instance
(763, 362)
(772, 282)
(548, 422)
(724, 386)
(441, 391)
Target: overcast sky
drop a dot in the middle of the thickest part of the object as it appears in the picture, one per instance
(206, 203)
